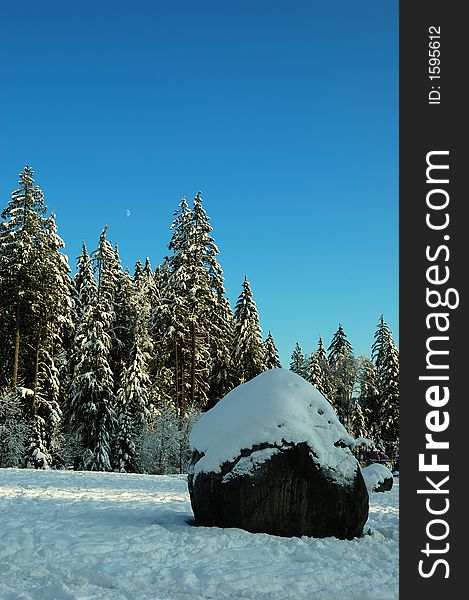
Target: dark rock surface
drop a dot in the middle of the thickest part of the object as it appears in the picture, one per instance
(287, 495)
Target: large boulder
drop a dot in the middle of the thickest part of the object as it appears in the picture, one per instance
(272, 457)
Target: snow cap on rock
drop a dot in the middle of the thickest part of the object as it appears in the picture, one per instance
(276, 407)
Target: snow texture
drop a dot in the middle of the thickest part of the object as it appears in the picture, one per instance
(111, 536)
(375, 474)
(276, 407)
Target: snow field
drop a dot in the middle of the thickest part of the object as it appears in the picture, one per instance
(99, 536)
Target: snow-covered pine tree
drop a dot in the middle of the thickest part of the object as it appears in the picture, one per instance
(322, 355)
(146, 299)
(357, 426)
(90, 409)
(91, 417)
(35, 294)
(133, 402)
(248, 352)
(315, 374)
(323, 361)
(272, 360)
(148, 285)
(126, 308)
(45, 439)
(221, 325)
(298, 362)
(343, 373)
(107, 269)
(138, 272)
(193, 302)
(340, 347)
(222, 377)
(15, 428)
(369, 395)
(191, 319)
(84, 293)
(386, 357)
(84, 285)
(108, 272)
(163, 337)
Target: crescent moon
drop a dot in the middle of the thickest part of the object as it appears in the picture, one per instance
(127, 212)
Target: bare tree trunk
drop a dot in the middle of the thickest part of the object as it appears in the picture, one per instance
(36, 372)
(192, 363)
(17, 348)
(176, 377)
(183, 388)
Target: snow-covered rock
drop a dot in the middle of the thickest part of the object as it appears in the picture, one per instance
(273, 457)
(378, 478)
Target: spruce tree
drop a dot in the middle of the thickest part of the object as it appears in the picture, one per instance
(272, 360)
(369, 395)
(340, 347)
(133, 404)
(35, 298)
(220, 328)
(343, 373)
(298, 362)
(126, 308)
(248, 352)
(323, 361)
(194, 303)
(386, 358)
(90, 413)
(163, 336)
(191, 318)
(315, 374)
(90, 410)
(84, 285)
(358, 427)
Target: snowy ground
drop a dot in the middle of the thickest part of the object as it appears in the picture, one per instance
(98, 536)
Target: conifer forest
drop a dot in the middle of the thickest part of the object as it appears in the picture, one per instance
(106, 369)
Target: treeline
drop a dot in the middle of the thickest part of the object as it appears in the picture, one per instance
(108, 370)
(364, 392)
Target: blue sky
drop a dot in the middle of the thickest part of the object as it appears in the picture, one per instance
(284, 114)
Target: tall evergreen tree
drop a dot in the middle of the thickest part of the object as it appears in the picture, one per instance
(272, 360)
(35, 298)
(133, 403)
(191, 318)
(369, 395)
(315, 374)
(182, 318)
(248, 353)
(343, 373)
(164, 337)
(358, 427)
(90, 411)
(340, 347)
(126, 308)
(326, 383)
(298, 362)
(220, 329)
(386, 357)
(84, 285)
(91, 414)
